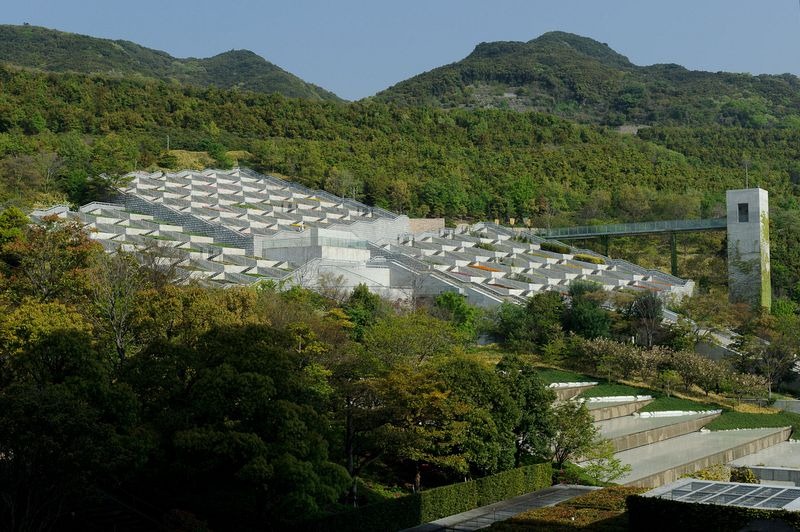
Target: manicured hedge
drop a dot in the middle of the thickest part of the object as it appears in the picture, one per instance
(651, 513)
(435, 503)
(554, 247)
(589, 258)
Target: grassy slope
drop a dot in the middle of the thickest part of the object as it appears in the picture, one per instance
(745, 420)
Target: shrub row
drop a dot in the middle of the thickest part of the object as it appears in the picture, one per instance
(651, 513)
(601, 510)
(554, 247)
(435, 503)
(589, 258)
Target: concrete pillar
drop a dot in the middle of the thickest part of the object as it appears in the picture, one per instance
(748, 247)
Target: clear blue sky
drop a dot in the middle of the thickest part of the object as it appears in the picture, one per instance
(358, 47)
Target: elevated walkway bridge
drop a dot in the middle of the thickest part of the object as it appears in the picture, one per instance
(637, 228)
(606, 231)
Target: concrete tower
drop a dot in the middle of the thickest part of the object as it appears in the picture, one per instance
(748, 247)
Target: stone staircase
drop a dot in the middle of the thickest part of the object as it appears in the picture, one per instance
(661, 447)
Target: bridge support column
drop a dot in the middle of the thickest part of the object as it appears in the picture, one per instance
(606, 241)
(673, 253)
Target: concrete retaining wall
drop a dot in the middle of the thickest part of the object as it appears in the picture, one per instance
(420, 225)
(612, 411)
(722, 457)
(646, 437)
(777, 474)
(564, 394)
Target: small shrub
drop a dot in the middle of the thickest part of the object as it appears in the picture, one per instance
(589, 258)
(486, 246)
(521, 278)
(554, 247)
(717, 472)
(744, 475)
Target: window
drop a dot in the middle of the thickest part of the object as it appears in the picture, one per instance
(744, 213)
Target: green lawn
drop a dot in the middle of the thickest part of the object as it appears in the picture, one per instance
(742, 420)
(551, 375)
(608, 389)
(662, 403)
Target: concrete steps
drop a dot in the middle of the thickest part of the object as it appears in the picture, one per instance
(665, 461)
(634, 431)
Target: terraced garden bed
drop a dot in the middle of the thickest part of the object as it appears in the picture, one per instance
(730, 420)
(602, 510)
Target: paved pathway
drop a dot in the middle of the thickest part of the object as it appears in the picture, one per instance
(486, 515)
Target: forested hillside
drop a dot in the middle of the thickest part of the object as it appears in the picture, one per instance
(582, 79)
(58, 51)
(59, 132)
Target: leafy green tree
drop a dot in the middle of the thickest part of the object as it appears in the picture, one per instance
(587, 319)
(364, 308)
(602, 466)
(575, 432)
(51, 260)
(489, 410)
(68, 430)
(413, 338)
(423, 431)
(531, 328)
(453, 307)
(241, 426)
(12, 223)
(535, 427)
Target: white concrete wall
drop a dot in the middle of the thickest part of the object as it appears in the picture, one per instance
(748, 247)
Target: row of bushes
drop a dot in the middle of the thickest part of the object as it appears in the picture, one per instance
(554, 247)
(435, 503)
(651, 513)
(589, 258)
(661, 368)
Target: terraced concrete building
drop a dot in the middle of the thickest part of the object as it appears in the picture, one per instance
(240, 227)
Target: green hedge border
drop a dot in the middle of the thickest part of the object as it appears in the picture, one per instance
(591, 259)
(652, 513)
(554, 247)
(435, 503)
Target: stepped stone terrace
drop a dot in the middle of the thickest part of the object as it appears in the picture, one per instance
(238, 227)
